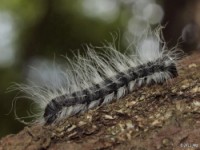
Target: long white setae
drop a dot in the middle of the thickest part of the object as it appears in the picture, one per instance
(100, 78)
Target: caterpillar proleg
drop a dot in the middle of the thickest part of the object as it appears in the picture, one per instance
(97, 79)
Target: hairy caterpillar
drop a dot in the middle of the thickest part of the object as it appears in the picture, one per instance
(97, 79)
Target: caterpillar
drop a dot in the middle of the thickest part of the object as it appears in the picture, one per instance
(96, 79)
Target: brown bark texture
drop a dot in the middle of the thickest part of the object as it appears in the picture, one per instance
(163, 117)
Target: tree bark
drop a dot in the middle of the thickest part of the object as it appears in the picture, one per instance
(156, 117)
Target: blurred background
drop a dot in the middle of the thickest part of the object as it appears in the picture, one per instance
(32, 32)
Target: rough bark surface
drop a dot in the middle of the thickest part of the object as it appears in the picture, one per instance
(163, 117)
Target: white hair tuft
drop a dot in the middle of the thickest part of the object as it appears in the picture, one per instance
(97, 79)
